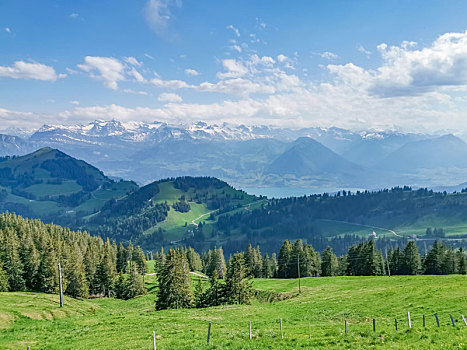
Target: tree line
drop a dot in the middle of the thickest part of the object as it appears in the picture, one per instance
(31, 250)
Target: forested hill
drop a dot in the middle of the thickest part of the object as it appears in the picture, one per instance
(53, 186)
(168, 210)
(390, 213)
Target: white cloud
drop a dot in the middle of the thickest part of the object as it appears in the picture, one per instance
(149, 56)
(361, 49)
(265, 60)
(133, 61)
(26, 70)
(235, 30)
(191, 72)
(328, 55)
(74, 15)
(134, 92)
(169, 84)
(137, 75)
(169, 97)
(109, 69)
(282, 58)
(158, 14)
(8, 30)
(407, 71)
(74, 102)
(234, 69)
(236, 48)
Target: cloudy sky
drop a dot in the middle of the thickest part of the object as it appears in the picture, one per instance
(353, 64)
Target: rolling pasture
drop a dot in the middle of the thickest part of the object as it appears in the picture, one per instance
(323, 307)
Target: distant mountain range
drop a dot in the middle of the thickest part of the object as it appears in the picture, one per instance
(254, 156)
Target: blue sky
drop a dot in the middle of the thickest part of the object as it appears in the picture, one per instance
(353, 64)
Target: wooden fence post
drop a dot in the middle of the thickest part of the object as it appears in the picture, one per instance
(345, 323)
(410, 322)
(395, 323)
(154, 339)
(437, 320)
(423, 321)
(309, 330)
(374, 325)
(250, 329)
(282, 334)
(452, 320)
(209, 331)
(465, 321)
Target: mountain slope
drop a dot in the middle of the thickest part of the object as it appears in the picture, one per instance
(444, 151)
(309, 158)
(50, 184)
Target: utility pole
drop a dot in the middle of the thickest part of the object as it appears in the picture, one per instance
(61, 284)
(298, 268)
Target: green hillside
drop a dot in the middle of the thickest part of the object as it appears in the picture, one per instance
(53, 186)
(168, 210)
(31, 319)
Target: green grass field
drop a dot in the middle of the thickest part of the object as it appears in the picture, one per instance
(325, 303)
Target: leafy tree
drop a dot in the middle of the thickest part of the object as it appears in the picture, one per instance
(175, 287)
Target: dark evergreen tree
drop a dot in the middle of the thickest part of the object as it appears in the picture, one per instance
(75, 275)
(238, 289)
(284, 260)
(329, 263)
(175, 287)
(411, 262)
(11, 260)
(3, 279)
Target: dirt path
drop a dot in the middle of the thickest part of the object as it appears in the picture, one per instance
(201, 216)
(369, 226)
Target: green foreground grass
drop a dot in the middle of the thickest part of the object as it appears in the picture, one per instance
(36, 320)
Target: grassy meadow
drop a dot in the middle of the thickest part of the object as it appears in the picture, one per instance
(31, 319)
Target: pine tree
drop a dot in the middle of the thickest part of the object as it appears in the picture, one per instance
(411, 262)
(214, 295)
(175, 287)
(75, 275)
(329, 263)
(199, 294)
(122, 258)
(11, 260)
(134, 285)
(194, 260)
(30, 259)
(273, 265)
(120, 287)
(139, 260)
(434, 259)
(47, 279)
(238, 289)
(3, 279)
(106, 271)
(284, 260)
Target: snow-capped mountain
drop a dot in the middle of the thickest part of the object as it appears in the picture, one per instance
(99, 130)
(244, 155)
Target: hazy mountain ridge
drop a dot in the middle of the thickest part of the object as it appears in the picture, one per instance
(255, 155)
